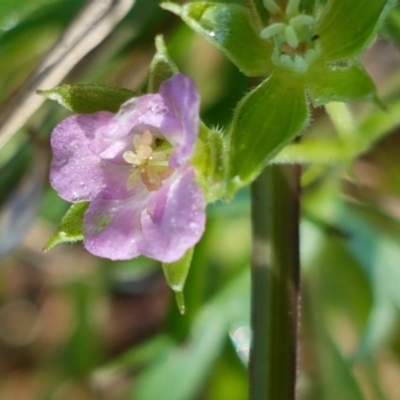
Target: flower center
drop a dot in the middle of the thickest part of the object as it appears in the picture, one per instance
(296, 44)
(149, 160)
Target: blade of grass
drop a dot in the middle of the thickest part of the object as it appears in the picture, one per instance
(85, 32)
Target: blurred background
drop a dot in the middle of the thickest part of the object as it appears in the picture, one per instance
(73, 326)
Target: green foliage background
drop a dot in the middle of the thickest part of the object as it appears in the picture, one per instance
(76, 327)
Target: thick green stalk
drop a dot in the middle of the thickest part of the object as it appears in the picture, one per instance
(275, 284)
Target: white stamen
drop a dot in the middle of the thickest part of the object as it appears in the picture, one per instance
(149, 164)
(144, 152)
(147, 138)
(130, 157)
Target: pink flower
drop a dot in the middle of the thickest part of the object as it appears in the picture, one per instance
(134, 169)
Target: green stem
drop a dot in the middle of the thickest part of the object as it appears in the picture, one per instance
(275, 284)
(342, 119)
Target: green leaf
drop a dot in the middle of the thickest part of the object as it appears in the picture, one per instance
(229, 28)
(88, 98)
(392, 25)
(265, 120)
(161, 67)
(175, 274)
(346, 27)
(70, 229)
(328, 83)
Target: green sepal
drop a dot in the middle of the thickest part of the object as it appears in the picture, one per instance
(229, 28)
(70, 229)
(330, 83)
(88, 98)
(161, 67)
(265, 120)
(346, 27)
(175, 274)
(209, 160)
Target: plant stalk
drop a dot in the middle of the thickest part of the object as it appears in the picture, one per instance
(275, 283)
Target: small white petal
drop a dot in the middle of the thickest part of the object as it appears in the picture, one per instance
(301, 20)
(272, 30)
(291, 37)
(285, 60)
(300, 65)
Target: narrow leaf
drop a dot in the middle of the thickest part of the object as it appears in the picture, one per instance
(70, 229)
(229, 28)
(88, 98)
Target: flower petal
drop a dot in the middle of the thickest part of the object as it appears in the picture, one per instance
(173, 113)
(135, 116)
(162, 227)
(182, 98)
(174, 220)
(76, 173)
(112, 228)
(92, 161)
